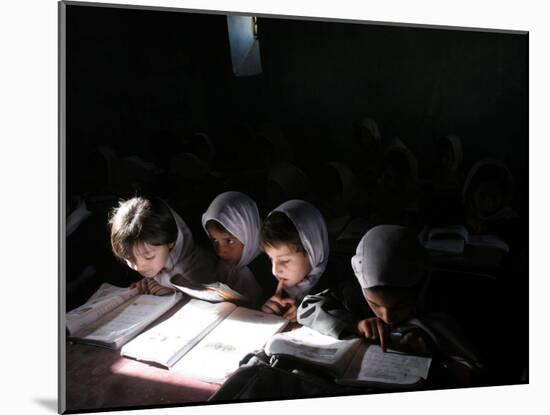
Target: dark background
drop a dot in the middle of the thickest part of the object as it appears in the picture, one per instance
(138, 81)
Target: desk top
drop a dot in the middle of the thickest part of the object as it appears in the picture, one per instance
(101, 378)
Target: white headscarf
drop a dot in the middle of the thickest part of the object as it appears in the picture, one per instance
(387, 255)
(186, 259)
(237, 213)
(312, 230)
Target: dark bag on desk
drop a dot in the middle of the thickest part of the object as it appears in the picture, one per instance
(261, 378)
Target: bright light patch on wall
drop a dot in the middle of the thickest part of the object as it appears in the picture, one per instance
(244, 45)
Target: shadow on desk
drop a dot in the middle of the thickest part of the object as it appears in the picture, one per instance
(100, 378)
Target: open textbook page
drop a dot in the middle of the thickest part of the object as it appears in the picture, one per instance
(313, 347)
(168, 341)
(373, 366)
(218, 355)
(352, 362)
(119, 325)
(105, 299)
(215, 292)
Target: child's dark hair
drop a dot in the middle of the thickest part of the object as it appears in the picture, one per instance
(278, 229)
(216, 225)
(139, 220)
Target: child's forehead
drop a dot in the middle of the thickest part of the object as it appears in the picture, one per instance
(218, 233)
(281, 249)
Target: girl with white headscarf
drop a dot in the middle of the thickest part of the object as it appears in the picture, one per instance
(232, 223)
(153, 240)
(295, 237)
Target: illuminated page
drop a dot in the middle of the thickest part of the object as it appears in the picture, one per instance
(218, 355)
(105, 299)
(391, 367)
(122, 323)
(313, 347)
(166, 342)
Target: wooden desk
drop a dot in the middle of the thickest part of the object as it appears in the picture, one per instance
(100, 378)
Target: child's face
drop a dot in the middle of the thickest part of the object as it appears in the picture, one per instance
(149, 259)
(488, 198)
(288, 265)
(393, 308)
(226, 246)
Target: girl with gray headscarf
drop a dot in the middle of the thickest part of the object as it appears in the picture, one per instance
(294, 236)
(388, 266)
(232, 223)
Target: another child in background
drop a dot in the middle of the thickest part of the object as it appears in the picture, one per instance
(232, 223)
(487, 194)
(154, 240)
(294, 236)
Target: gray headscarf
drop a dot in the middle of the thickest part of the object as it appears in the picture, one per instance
(312, 230)
(237, 213)
(388, 255)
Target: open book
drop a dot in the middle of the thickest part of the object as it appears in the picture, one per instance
(205, 341)
(454, 239)
(215, 292)
(351, 362)
(113, 315)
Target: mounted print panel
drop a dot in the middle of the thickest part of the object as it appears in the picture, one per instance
(263, 208)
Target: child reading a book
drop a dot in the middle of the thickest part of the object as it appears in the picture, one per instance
(295, 237)
(232, 223)
(153, 240)
(388, 265)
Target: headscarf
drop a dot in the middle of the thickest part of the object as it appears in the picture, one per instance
(506, 211)
(388, 255)
(237, 213)
(312, 230)
(186, 259)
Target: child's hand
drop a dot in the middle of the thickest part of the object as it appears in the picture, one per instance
(417, 342)
(150, 286)
(291, 307)
(373, 329)
(274, 304)
(141, 286)
(287, 307)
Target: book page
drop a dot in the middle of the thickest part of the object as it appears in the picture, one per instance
(311, 346)
(127, 319)
(105, 299)
(168, 341)
(215, 292)
(390, 367)
(218, 355)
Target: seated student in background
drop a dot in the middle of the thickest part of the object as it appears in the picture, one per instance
(388, 267)
(153, 240)
(487, 194)
(442, 197)
(232, 223)
(294, 236)
(396, 196)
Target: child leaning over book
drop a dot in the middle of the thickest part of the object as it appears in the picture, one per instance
(154, 240)
(295, 237)
(388, 265)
